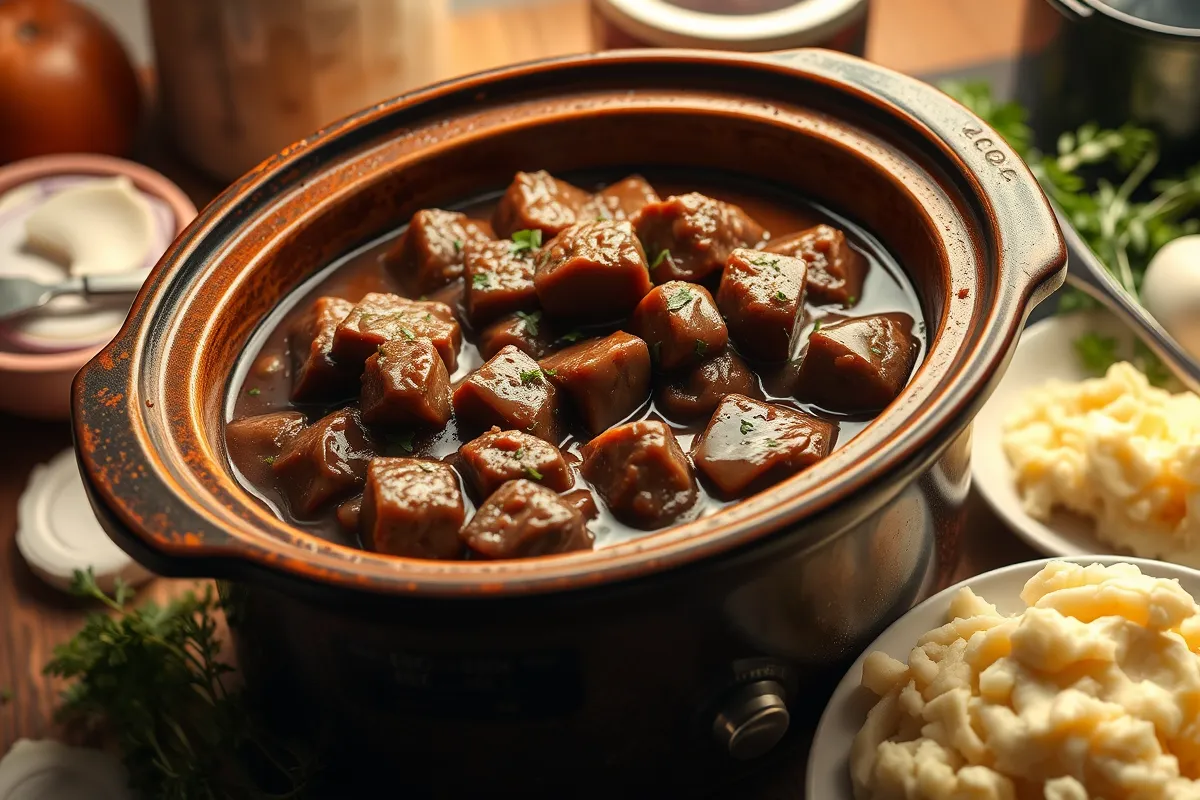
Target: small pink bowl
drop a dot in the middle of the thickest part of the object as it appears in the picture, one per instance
(38, 385)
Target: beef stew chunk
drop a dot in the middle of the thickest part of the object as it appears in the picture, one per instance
(380, 318)
(510, 391)
(349, 513)
(528, 331)
(750, 445)
(412, 508)
(585, 306)
(324, 463)
(688, 237)
(593, 272)
(621, 200)
(836, 270)
(641, 474)
(523, 519)
(498, 457)
(696, 393)
(858, 365)
(762, 298)
(538, 201)
(406, 383)
(429, 254)
(255, 442)
(498, 279)
(606, 379)
(315, 375)
(680, 323)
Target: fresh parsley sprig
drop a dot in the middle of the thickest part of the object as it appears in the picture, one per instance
(153, 677)
(1101, 179)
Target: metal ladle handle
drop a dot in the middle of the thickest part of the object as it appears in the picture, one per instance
(1087, 273)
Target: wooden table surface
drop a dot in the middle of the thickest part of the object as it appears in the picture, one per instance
(915, 36)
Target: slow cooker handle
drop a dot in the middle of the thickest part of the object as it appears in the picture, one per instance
(1031, 254)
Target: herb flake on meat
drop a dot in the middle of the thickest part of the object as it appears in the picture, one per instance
(481, 280)
(681, 298)
(533, 473)
(529, 321)
(529, 376)
(663, 255)
(701, 347)
(746, 426)
(526, 240)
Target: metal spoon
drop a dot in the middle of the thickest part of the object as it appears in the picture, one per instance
(1086, 272)
(21, 295)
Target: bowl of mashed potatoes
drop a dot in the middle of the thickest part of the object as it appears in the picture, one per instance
(1062, 679)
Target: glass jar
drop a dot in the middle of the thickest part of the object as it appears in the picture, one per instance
(241, 79)
(747, 25)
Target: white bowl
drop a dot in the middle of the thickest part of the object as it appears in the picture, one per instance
(1046, 352)
(829, 759)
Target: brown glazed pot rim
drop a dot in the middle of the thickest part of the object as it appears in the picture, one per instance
(166, 495)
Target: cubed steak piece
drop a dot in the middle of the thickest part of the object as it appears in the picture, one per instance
(255, 442)
(525, 330)
(593, 272)
(412, 508)
(510, 391)
(315, 375)
(406, 383)
(429, 254)
(835, 269)
(499, 279)
(688, 237)
(499, 456)
(696, 393)
(607, 379)
(858, 365)
(349, 513)
(523, 519)
(680, 323)
(762, 298)
(324, 463)
(538, 201)
(750, 445)
(380, 317)
(621, 200)
(641, 474)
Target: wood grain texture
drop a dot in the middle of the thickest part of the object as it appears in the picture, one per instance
(909, 35)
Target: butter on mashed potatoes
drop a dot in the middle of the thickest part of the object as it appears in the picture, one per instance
(1118, 450)
(1092, 692)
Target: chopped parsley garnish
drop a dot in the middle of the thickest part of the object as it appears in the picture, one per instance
(403, 441)
(851, 300)
(526, 240)
(429, 317)
(780, 296)
(481, 280)
(269, 460)
(528, 376)
(763, 261)
(747, 426)
(254, 392)
(877, 350)
(533, 473)
(658, 259)
(701, 347)
(408, 334)
(458, 243)
(678, 300)
(518, 454)
(530, 321)
(771, 443)
(817, 326)
(550, 373)
(573, 336)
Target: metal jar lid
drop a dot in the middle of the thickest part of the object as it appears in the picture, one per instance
(664, 24)
(57, 531)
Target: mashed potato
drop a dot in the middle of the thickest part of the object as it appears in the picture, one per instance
(1092, 692)
(1118, 450)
